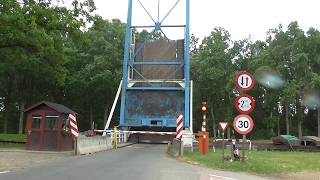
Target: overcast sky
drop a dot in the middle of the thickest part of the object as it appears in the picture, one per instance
(240, 17)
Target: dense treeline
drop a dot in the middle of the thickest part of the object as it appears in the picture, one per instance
(286, 66)
(70, 56)
(48, 52)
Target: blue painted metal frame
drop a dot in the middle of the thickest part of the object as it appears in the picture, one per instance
(127, 64)
(156, 63)
(156, 88)
(187, 65)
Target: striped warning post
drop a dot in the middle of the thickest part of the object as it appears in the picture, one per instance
(74, 125)
(179, 126)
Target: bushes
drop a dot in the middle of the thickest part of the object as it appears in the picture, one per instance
(13, 137)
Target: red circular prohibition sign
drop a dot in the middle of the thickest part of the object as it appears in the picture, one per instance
(241, 128)
(236, 104)
(244, 81)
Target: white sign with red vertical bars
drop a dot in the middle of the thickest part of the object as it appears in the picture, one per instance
(179, 126)
(74, 125)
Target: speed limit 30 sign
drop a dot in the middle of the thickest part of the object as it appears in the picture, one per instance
(244, 81)
(243, 124)
(244, 104)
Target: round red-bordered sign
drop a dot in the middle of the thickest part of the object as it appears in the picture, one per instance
(243, 124)
(244, 81)
(244, 104)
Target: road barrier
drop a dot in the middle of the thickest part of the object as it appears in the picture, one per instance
(238, 140)
(122, 136)
(175, 148)
(87, 145)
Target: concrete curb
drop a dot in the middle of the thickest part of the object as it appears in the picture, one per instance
(38, 152)
(57, 152)
(125, 145)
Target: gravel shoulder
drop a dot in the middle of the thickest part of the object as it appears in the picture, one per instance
(17, 159)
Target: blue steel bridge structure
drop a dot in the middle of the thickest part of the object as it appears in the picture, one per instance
(156, 70)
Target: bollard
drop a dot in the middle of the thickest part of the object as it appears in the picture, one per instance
(115, 138)
(203, 142)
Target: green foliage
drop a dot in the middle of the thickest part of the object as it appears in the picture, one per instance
(32, 40)
(96, 72)
(68, 55)
(289, 54)
(260, 133)
(12, 146)
(13, 137)
(212, 72)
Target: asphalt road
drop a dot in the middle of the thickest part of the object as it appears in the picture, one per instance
(135, 162)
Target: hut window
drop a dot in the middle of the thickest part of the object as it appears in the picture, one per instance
(51, 122)
(36, 122)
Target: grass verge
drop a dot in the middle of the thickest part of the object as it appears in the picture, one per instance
(12, 146)
(13, 137)
(261, 162)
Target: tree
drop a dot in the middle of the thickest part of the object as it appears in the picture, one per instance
(286, 53)
(95, 74)
(33, 38)
(212, 71)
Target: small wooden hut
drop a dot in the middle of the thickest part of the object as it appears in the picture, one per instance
(47, 127)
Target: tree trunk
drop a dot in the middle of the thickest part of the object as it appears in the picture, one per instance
(278, 124)
(287, 119)
(5, 124)
(91, 117)
(228, 133)
(6, 114)
(7, 106)
(106, 114)
(213, 122)
(271, 123)
(318, 122)
(300, 116)
(300, 129)
(21, 117)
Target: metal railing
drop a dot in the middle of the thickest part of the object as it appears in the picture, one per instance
(239, 140)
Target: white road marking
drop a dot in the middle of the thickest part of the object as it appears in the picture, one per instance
(2, 172)
(221, 177)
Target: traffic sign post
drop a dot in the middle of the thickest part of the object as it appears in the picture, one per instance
(244, 81)
(243, 147)
(204, 117)
(223, 146)
(243, 124)
(244, 104)
(224, 127)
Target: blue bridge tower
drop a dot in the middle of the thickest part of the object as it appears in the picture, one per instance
(156, 67)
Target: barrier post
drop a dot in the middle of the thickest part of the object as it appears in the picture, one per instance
(75, 144)
(222, 146)
(115, 138)
(179, 128)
